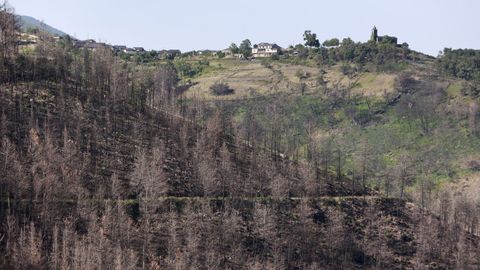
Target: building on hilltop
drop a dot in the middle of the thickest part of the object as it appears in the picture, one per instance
(119, 48)
(90, 44)
(382, 39)
(130, 51)
(95, 45)
(227, 52)
(265, 49)
(27, 39)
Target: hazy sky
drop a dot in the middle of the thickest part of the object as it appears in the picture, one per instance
(427, 25)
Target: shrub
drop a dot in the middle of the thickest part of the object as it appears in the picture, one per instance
(301, 74)
(221, 89)
(346, 69)
(406, 83)
(474, 165)
(190, 69)
(274, 57)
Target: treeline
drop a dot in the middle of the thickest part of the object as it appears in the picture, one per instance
(463, 64)
(368, 55)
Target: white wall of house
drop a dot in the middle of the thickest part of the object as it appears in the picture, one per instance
(262, 50)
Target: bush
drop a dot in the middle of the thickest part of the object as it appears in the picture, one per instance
(474, 165)
(346, 69)
(190, 69)
(301, 74)
(274, 57)
(221, 89)
(406, 83)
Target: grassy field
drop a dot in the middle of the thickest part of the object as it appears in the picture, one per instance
(374, 84)
(256, 78)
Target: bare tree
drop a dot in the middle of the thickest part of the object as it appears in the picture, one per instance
(28, 248)
(422, 106)
(9, 27)
(403, 172)
(472, 117)
(149, 179)
(165, 82)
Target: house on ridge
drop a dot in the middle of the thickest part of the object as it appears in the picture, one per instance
(265, 49)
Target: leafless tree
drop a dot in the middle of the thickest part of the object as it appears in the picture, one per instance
(150, 181)
(9, 27)
(472, 117)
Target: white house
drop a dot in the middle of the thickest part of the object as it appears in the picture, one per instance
(265, 49)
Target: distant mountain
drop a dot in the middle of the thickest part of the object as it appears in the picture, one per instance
(28, 22)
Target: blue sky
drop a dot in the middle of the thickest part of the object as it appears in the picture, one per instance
(427, 25)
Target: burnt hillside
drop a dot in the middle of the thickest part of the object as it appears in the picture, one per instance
(104, 165)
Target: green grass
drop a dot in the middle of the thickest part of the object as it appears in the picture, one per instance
(454, 89)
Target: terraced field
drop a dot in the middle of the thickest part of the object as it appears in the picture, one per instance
(255, 78)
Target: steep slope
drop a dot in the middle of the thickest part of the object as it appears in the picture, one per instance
(105, 165)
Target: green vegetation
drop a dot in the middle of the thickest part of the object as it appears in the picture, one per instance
(464, 64)
(189, 69)
(234, 48)
(382, 56)
(331, 42)
(245, 48)
(311, 39)
(141, 57)
(413, 120)
(362, 95)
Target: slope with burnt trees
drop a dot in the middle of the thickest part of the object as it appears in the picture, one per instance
(104, 166)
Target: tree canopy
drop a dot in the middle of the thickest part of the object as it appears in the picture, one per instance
(246, 48)
(311, 39)
(331, 42)
(234, 48)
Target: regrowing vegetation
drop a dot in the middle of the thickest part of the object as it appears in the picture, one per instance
(327, 155)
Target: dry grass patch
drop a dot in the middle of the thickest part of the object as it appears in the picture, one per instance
(245, 77)
(374, 84)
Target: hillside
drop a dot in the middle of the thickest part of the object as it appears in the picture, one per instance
(97, 190)
(411, 112)
(261, 78)
(348, 158)
(27, 22)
